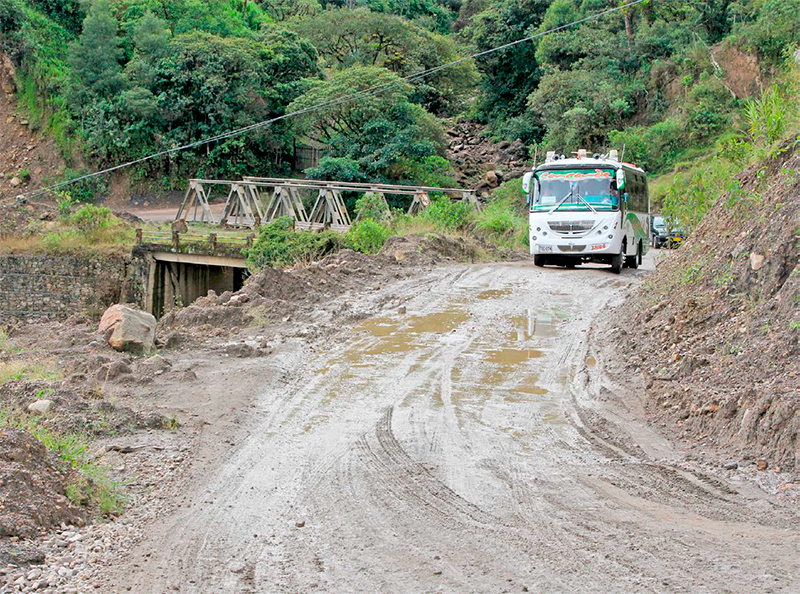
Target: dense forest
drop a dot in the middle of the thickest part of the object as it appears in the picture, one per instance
(114, 80)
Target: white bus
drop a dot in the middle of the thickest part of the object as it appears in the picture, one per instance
(588, 209)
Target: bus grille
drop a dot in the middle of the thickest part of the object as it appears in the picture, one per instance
(570, 226)
(572, 248)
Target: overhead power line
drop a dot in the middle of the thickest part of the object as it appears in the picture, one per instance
(374, 90)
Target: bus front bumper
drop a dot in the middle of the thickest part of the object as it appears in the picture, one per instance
(583, 247)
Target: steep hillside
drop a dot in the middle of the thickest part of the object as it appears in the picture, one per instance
(716, 330)
(27, 157)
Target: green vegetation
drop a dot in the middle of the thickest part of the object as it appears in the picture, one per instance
(277, 244)
(771, 121)
(90, 484)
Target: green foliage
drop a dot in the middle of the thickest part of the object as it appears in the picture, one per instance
(94, 59)
(278, 244)
(373, 206)
(502, 225)
(653, 147)
(346, 38)
(91, 219)
(446, 215)
(773, 27)
(692, 194)
(86, 190)
(767, 116)
(380, 132)
(367, 236)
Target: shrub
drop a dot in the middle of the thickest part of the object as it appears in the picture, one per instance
(767, 116)
(90, 219)
(447, 215)
(278, 244)
(367, 236)
(502, 225)
(373, 206)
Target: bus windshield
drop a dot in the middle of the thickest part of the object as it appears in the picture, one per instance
(573, 189)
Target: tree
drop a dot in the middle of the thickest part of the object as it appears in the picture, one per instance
(94, 58)
(348, 37)
(379, 130)
(282, 10)
(510, 75)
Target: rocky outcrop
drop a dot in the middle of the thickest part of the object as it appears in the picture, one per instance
(481, 163)
(128, 329)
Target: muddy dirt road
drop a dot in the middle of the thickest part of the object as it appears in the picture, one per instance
(471, 443)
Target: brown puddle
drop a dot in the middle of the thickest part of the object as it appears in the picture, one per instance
(512, 357)
(493, 293)
(533, 390)
(378, 326)
(591, 361)
(440, 322)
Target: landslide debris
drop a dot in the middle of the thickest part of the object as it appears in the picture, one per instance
(277, 294)
(33, 486)
(715, 330)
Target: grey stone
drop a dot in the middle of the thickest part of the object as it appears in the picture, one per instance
(40, 407)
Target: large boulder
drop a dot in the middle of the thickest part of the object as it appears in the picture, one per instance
(129, 329)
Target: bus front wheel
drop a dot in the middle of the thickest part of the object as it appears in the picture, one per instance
(539, 260)
(616, 263)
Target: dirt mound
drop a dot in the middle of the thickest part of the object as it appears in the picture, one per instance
(716, 328)
(32, 487)
(277, 294)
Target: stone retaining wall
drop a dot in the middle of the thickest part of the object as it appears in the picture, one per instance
(45, 287)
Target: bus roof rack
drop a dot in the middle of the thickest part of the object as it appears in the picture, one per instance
(551, 156)
(613, 155)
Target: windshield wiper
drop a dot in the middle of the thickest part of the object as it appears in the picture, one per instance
(563, 200)
(586, 203)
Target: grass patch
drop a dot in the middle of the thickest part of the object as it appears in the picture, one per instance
(24, 370)
(89, 229)
(91, 485)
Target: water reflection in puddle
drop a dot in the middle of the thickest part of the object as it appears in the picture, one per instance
(531, 325)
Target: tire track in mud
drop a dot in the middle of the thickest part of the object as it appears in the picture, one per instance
(433, 451)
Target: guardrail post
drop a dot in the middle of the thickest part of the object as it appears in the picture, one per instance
(176, 239)
(212, 239)
(249, 243)
(138, 237)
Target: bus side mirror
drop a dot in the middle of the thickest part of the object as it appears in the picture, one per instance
(526, 183)
(620, 179)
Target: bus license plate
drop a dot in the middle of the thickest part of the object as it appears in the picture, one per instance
(599, 246)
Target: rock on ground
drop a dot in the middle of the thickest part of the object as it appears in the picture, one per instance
(129, 329)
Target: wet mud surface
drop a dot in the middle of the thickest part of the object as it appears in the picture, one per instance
(470, 441)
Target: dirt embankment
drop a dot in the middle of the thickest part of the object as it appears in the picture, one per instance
(715, 331)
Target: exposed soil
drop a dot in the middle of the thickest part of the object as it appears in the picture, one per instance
(22, 148)
(715, 331)
(466, 437)
(394, 422)
(32, 487)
